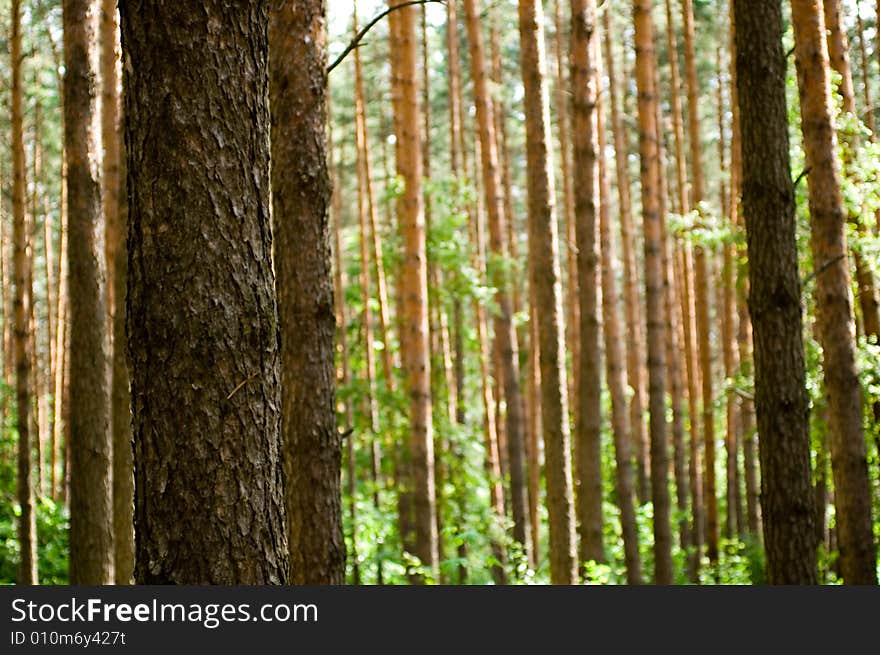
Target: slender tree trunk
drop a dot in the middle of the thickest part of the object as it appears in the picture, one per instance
(635, 344)
(701, 290)
(573, 321)
(727, 312)
(117, 259)
(838, 53)
(202, 316)
(737, 313)
(21, 302)
(774, 301)
(615, 369)
(414, 282)
(686, 300)
(834, 310)
(505, 346)
(301, 194)
(584, 83)
(650, 171)
(89, 444)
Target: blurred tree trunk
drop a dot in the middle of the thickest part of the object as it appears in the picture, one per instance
(115, 214)
(646, 64)
(834, 309)
(701, 289)
(21, 302)
(414, 283)
(588, 452)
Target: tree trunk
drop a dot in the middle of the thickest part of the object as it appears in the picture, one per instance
(650, 171)
(505, 345)
(635, 344)
(701, 290)
(301, 195)
(202, 326)
(117, 259)
(834, 310)
(584, 83)
(89, 445)
(781, 400)
(414, 282)
(615, 369)
(21, 302)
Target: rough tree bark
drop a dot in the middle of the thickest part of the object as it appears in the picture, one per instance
(781, 400)
(301, 195)
(202, 319)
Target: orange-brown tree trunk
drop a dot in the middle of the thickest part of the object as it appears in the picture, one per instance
(415, 348)
(505, 346)
(21, 302)
(701, 290)
(834, 308)
(653, 235)
(635, 343)
(588, 469)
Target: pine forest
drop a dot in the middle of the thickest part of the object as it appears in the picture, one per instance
(457, 292)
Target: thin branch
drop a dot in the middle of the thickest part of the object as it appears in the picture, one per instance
(366, 28)
(831, 262)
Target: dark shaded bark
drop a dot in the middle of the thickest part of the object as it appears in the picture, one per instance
(202, 321)
(781, 401)
(301, 196)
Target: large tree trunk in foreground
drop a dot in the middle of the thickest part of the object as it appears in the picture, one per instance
(90, 447)
(781, 400)
(202, 320)
(301, 196)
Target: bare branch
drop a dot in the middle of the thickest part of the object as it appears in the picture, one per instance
(366, 28)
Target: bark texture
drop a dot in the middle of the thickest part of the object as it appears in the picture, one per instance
(301, 195)
(202, 319)
(90, 446)
(781, 401)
